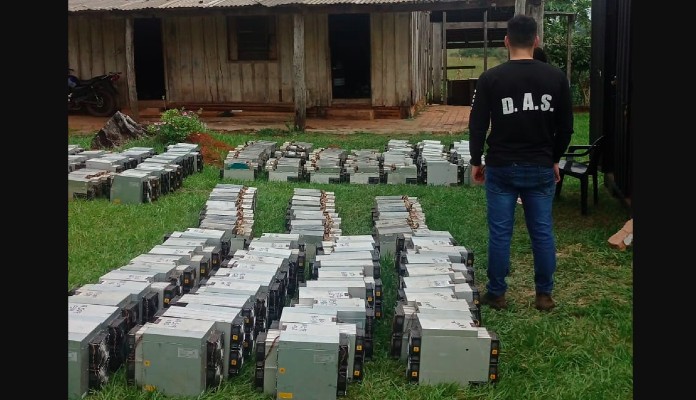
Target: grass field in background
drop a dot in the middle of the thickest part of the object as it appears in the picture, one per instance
(459, 57)
(583, 349)
(454, 60)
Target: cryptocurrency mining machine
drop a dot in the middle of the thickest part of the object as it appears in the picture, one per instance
(302, 361)
(437, 327)
(177, 356)
(262, 297)
(434, 165)
(135, 187)
(141, 292)
(393, 216)
(241, 342)
(350, 332)
(246, 161)
(96, 345)
(130, 309)
(88, 356)
(224, 318)
(269, 285)
(443, 349)
(89, 184)
(288, 163)
(311, 214)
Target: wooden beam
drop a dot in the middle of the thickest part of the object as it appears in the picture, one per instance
(537, 12)
(569, 43)
(557, 13)
(475, 44)
(444, 57)
(130, 72)
(477, 25)
(520, 6)
(298, 63)
(485, 40)
(436, 60)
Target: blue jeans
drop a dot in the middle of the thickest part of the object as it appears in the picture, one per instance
(536, 187)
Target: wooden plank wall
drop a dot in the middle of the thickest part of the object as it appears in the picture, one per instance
(420, 50)
(198, 68)
(96, 45)
(317, 60)
(391, 52)
(427, 50)
(415, 52)
(285, 41)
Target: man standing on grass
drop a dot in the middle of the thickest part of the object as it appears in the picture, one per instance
(528, 106)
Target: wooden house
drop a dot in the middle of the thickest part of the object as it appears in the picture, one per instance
(313, 57)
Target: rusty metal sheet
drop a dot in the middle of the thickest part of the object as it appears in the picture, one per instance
(105, 5)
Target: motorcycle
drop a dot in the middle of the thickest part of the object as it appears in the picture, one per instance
(98, 95)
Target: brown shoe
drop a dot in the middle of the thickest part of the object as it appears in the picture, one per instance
(493, 301)
(544, 302)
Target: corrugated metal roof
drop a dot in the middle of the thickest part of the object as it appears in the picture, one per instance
(96, 5)
(106, 5)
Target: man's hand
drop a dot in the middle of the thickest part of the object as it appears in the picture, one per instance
(556, 172)
(477, 173)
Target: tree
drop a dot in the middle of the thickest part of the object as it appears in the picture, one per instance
(556, 47)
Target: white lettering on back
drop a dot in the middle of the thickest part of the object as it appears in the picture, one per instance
(527, 102)
(507, 105)
(545, 102)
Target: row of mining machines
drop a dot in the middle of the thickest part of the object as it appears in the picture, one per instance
(427, 162)
(186, 316)
(134, 176)
(127, 317)
(437, 329)
(327, 330)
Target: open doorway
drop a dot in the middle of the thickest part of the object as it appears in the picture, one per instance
(349, 41)
(149, 58)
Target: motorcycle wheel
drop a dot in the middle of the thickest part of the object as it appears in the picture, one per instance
(105, 105)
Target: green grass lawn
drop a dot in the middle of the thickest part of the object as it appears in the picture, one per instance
(583, 349)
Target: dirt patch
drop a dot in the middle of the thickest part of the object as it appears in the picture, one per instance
(214, 151)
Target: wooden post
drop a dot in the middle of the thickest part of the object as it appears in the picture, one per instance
(485, 40)
(130, 72)
(536, 10)
(569, 43)
(444, 57)
(428, 59)
(437, 62)
(520, 6)
(298, 63)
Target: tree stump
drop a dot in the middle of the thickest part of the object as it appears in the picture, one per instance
(119, 129)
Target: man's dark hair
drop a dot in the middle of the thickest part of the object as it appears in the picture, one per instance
(540, 54)
(521, 31)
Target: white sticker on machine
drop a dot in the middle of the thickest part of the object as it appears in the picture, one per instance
(187, 353)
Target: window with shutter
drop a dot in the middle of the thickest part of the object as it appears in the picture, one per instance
(252, 38)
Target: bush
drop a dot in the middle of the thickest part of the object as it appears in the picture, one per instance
(175, 125)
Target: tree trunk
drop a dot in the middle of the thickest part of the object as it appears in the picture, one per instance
(119, 129)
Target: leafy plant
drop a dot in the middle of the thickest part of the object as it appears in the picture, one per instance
(175, 125)
(556, 46)
(291, 127)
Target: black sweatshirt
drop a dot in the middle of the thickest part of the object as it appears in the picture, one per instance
(529, 107)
